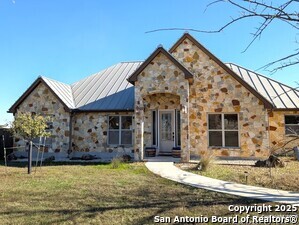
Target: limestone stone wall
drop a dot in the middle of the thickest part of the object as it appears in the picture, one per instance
(160, 76)
(214, 90)
(42, 101)
(90, 133)
(278, 138)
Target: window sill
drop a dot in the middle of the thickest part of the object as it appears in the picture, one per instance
(120, 146)
(221, 148)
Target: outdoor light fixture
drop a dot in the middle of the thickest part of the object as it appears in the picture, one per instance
(184, 108)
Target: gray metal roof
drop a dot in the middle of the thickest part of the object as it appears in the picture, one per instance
(109, 89)
(62, 90)
(106, 90)
(280, 95)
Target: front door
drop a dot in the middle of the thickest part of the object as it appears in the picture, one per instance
(166, 131)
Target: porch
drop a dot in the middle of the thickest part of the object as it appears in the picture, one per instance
(161, 120)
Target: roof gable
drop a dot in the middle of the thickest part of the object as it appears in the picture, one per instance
(265, 101)
(60, 90)
(133, 77)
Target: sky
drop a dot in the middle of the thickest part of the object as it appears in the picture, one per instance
(67, 40)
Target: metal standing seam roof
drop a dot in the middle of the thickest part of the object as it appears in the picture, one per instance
(109, 90)
(62, 90)
(280, 95)
(106, 90)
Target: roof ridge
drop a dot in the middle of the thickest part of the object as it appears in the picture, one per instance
(46, 79)
(94, 74)
(134, 61)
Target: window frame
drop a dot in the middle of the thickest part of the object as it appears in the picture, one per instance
(285, 128)
(120, 129)
(223, 130)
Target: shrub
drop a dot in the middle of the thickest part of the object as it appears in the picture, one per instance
(205, 161)
(116, 162)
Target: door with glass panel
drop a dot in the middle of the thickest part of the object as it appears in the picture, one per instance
(166, 131)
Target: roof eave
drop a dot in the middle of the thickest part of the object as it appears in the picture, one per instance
(285, 109)
(101, 110)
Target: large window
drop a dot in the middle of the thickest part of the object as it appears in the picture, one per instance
(292, 124)
(120, 130)
(223, 130)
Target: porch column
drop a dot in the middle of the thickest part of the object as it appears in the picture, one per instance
(185, 136)
(139, 130)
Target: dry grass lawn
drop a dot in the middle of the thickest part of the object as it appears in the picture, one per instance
(99, 194)
(286, 178)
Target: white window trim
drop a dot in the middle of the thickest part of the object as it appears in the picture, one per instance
(285, 129)
(119, 131)
(222, 130)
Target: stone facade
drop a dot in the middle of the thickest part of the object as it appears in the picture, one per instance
(161, 76)
(42, 101)
(214, 90)
(90, 133)
(162, 85)
(89, 130)
(278, 137)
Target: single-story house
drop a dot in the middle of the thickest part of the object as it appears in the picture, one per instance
(184, 98)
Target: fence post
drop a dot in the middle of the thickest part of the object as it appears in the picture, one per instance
(4, 151)
(30, 157)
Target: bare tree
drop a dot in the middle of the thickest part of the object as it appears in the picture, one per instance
(286, 11)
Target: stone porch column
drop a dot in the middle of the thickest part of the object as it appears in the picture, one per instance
(139, 129)
(185, 142)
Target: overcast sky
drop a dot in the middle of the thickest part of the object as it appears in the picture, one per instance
(68, 40)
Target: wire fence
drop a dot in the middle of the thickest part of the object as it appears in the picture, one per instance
(9, 151)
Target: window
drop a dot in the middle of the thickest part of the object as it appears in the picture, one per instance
(120, 130)
(178, 128)
(223, 130)
(154, 128)
(292, 124)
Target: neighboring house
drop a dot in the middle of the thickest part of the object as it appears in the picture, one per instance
(182, 97)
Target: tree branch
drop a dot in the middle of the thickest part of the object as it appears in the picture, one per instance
(262, 9)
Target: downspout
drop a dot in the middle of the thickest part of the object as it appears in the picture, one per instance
(71, 133)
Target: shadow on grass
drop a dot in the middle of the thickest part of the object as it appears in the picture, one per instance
(70, 163)
(155, 207)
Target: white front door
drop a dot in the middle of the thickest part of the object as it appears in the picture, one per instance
(166, 131)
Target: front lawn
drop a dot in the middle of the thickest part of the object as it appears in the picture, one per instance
(99, 194)
(286, 178)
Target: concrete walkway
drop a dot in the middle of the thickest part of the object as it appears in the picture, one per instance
(171, 172)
